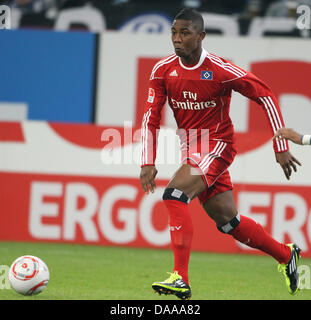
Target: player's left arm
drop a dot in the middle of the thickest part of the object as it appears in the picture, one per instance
(255, 89)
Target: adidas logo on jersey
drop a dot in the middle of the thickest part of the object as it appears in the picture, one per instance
(173, 74)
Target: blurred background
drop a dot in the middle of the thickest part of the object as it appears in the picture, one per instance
(74, 79)
(129, 14)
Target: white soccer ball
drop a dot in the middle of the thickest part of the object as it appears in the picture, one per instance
(29, 275)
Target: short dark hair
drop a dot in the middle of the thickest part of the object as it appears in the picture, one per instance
(191, 15)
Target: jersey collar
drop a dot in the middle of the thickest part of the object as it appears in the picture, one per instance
(202, 58)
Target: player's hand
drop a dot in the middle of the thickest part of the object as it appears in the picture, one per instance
(289, 134)
(147, 176)
(287, 162)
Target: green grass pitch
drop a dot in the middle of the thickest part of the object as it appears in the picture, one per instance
(84, 272)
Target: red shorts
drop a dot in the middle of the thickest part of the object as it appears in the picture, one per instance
(212, 166)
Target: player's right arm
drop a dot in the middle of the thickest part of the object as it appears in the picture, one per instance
(150, 128)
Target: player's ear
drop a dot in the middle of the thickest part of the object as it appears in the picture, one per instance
(202, 35)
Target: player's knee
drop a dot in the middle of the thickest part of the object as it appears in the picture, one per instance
(175, 194)
(221, 213)
(230, 226)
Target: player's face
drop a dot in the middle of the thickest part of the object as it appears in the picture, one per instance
(186, 39)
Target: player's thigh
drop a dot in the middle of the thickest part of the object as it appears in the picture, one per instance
(189, 180)
(221, 207)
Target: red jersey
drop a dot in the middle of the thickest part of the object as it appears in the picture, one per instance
(200, 97)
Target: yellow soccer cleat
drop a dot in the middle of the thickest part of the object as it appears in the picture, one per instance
(290, 270)
(173, 285)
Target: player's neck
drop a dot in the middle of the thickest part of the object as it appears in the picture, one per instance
(192, 59)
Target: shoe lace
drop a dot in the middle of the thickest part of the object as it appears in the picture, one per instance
(282, 269)
(173, 277)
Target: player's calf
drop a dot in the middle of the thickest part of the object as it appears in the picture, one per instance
(252, 234)
(181, 228)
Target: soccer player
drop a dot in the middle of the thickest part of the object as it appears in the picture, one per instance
(198, 85)
(292, 135)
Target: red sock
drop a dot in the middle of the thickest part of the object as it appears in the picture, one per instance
(181, 230)
(253, 235)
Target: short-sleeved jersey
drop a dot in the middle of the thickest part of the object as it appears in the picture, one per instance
(200, 97)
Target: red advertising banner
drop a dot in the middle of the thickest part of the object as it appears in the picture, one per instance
(115, 211)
